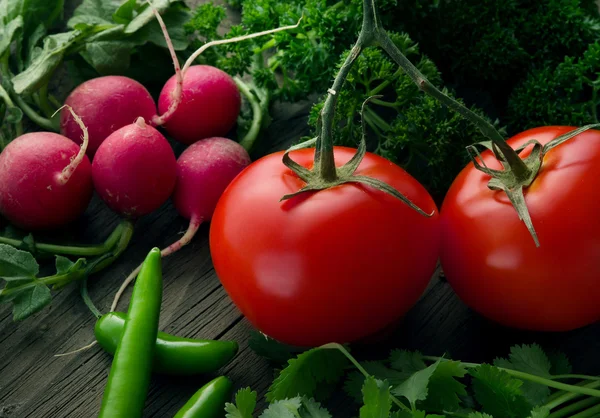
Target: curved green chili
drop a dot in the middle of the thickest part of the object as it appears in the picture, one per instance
(129, 378)
(209, 401)
(172, 355)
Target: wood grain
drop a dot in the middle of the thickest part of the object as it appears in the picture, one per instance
(35, 384)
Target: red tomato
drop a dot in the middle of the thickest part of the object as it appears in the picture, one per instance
(490, 258)
(334, 265)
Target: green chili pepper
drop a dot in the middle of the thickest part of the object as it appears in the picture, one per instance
(129, 378)
(209, 401)
(172, 355)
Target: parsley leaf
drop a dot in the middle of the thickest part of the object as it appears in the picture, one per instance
(302, 374)
(499, 393)
(529, 359)
(415, 387)
(376, 398)
(245, 403)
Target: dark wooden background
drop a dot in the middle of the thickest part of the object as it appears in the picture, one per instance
(35, 384)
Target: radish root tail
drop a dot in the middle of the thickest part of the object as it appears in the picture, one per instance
(79, 350)
(68, 171)
(162, 119)
(195, 223)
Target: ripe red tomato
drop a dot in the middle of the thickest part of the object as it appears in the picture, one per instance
(334, 265)
(490, 258)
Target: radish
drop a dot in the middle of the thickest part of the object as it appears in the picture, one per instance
(204, 170)
(105, 104)
(45, 179)
(134, 170)
(200, 101)
(210, 104)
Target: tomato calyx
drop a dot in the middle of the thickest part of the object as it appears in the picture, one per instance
(512, 179)
(345, 174)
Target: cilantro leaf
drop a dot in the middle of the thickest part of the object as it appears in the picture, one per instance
(376, 398)
(415, 387)
(499, 393)
(355, 380)
(560, 363)
(407, 361)
(302, 374)
(479, 415)
(245, 403)
(16, 264)
(30, 301)
(444, 389)
(540, 412)
(529, 359)
(269, 348)
(313, 409)
(415, 414)
(286, 408)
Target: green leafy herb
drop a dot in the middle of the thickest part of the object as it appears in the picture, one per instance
(376, 398)
(415, 387)
(304, 372)
(245, 403)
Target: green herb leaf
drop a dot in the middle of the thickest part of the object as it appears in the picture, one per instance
(30, 301)
(560, 363)
(269, 348)
(479, 415)
(355, 380)
(16, 264)
(529, 359)
(415, 387)
(303, 373)
(245, 403)
(407, 361)
(499, 393)
(312, 409)
(444, 389)
(285, 408)
(70, 270)
(376, 398)
(540, 412)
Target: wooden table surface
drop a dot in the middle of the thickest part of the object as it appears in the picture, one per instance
(35, 384)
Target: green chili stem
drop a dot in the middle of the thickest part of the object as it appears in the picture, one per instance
(83, 251)
(39, 120)
(342, 349)
(577, 406)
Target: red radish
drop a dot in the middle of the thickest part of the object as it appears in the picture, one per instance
(204, 170)
(200, 101)
(105, 104)
(210, 104)
(134, 170)
(45, 179)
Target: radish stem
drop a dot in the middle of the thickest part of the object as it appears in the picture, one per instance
(68, 171)
(195, 223)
